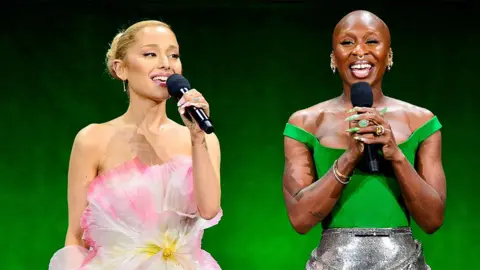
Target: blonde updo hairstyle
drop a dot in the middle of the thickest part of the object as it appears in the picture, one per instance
(123, 40)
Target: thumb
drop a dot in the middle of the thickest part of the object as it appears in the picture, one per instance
(361, 147)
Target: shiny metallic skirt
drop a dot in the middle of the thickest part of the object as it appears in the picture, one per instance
(367, 249)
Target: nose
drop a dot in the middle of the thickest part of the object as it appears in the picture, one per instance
(163, 63)
(359, 51)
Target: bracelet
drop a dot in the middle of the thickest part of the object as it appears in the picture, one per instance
(338, 175)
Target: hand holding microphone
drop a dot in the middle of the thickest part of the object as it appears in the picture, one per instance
(192, 106)
(369, 121)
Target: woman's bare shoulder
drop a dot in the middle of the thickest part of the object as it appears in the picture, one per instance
(94, 135)
(311, 118)
(416, 115)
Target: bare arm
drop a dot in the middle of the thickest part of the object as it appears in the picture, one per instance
(206, 174)
(82, 169)
(424, 192)
(205, 158)
(309, 202)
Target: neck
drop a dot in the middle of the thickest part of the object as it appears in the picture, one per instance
(378, 97)
(145, 111)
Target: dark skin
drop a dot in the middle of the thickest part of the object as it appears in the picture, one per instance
(309, 200)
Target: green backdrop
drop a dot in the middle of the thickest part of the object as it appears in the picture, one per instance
(256, 64)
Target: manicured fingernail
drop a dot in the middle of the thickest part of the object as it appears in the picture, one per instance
(383, 111)
(352, 117)
(354, 109)
(352, 130)
(180, 101)
(358, 138)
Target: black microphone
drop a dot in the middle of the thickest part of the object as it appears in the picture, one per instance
(362, 96)
(177, 85)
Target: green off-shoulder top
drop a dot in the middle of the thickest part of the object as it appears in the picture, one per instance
(368, 200)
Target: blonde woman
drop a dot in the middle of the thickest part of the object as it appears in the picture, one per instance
(142, 188)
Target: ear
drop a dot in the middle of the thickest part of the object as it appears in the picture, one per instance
(120, 69)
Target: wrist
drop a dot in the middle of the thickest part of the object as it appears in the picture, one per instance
(197, 138)
(398, 158)
(347, 163)
(350, 158)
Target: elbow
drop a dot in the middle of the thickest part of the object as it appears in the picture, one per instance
(431, 229)
(433, 226)
(299, 225)
(209, 213)
(434, 223)
(301, 230)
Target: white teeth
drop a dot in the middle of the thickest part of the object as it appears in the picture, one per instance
(361, 66)
(161, 78)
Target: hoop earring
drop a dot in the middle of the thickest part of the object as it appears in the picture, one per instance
(390, 59)
(332, 63)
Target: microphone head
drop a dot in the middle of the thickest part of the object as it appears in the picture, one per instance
(175, 84)
(361, 94)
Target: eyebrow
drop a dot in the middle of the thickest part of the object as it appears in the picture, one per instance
(155, 45)
(369, 32)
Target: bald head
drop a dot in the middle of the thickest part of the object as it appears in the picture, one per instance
(363, 17)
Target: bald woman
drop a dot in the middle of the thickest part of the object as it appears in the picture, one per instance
(365, 216)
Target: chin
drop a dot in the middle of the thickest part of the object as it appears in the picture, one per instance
(371, 79)
(157, 95)
(160, 97)
(356, 80)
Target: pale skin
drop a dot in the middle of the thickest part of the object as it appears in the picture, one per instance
(145, 131)
(310, 198)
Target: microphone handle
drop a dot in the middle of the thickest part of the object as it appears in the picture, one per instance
(199, 115)
(371, 158)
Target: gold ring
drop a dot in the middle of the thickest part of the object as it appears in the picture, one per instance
(379, 130)
(360, 58)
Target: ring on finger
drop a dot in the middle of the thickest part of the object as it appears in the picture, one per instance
(363, 123)
(196, 99)
(379, 130)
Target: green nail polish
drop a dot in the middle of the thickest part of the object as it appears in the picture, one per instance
(352, 117)
(383, 111)
(352, 110)
(355, 129)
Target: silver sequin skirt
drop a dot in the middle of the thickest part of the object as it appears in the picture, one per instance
(367, 249)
